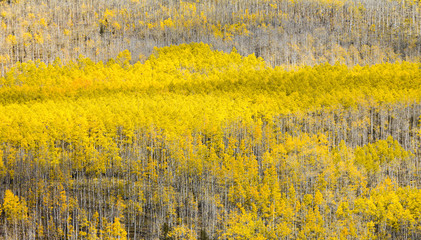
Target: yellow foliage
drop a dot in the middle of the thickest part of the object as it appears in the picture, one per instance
(13, 207)
(182, 232)
(269, 153)
(11, 39)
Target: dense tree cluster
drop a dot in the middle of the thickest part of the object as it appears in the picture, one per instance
(283, 32)
(195, 143)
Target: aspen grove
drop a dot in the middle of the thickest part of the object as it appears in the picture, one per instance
(242, 119)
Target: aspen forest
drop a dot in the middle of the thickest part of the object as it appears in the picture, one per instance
(210, 120)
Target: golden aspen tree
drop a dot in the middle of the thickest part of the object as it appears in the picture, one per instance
(14, 208)
(15, 211)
